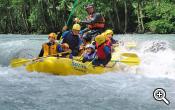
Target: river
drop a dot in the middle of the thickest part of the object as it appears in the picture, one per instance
(129, 89)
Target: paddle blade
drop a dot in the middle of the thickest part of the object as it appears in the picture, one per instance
(18, 62)
(131, 61)
(116, 56)
(131, 44)
(129, 55)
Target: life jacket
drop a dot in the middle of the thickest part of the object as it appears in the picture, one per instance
(50, 50)
(90, 56)
(100, 24)
(109, 42)
(100, 51)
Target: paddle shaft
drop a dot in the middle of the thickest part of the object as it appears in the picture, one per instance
(72, 11)
(28, 60)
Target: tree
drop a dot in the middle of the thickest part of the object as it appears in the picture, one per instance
(123, 16)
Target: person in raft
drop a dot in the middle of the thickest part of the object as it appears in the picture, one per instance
(110, 41)
(89, 53)
(95, 22)
(109, 37)
(49, 48)
(103, 51)
(64, 51)
(72, 39)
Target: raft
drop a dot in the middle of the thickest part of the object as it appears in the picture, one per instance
(66, 66)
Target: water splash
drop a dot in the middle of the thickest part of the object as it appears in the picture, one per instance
(25, 48)
(113, 90)
(157, 59)
(157, 56)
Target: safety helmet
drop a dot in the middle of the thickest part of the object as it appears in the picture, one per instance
(89, 6)
(103, 34)
(90, 46)
(53, 35)
(65, 46)
(76, 27)
(100, 39)
(87, 37)
(109, 31)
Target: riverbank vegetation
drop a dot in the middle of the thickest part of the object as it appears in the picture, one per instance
(124, 16)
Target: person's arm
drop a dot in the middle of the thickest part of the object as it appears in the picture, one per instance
(80, 42)
(64, 39)
(84, 31)
(107, 50)
(59, 35)
(113, 41)
(41, 53)
(59, 49)
(84, 60)
(95, 19)
(64, 35)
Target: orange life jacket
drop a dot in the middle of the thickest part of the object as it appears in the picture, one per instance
(50, 50)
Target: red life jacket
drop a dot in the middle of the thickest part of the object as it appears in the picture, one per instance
(99, 25)
(109, 43)
(100, 52)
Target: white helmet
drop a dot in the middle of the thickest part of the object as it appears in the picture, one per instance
(90, 46)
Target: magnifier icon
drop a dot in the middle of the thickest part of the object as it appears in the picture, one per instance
(159, 94)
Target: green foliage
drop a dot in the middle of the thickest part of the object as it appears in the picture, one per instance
(44, 16)
(160, 26)
(160, 17)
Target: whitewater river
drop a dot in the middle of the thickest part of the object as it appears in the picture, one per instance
(129, 89)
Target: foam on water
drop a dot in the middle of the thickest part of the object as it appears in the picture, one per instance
(157, 58)
(128, 89)
(158, 64)
(110, 91)
(157, 55)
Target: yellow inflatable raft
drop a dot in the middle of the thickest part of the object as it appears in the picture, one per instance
(65, 66)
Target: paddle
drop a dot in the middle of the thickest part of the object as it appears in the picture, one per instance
(117, 55)
(131, 44)
(69, 18)
(19, 62)
(129, 54)
(91, 62)
(129, 61)
(72, 11)
(22, 61)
